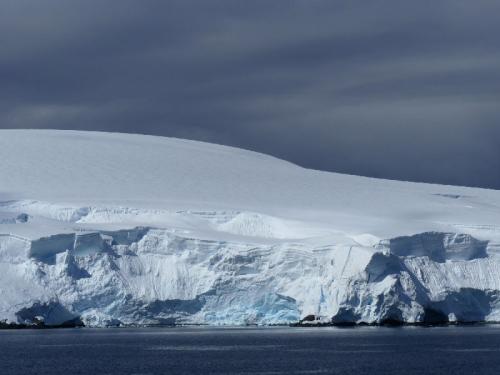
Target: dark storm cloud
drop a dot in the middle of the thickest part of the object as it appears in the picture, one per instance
(396, 89)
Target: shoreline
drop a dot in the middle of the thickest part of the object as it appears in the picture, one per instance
(345, 325)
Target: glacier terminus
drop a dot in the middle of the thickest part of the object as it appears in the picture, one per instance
(117, 229)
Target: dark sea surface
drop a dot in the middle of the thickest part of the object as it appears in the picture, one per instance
(362, 350)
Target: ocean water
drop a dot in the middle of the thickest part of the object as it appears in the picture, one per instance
(361, 350)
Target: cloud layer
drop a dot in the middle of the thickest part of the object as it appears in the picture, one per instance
(394, 89)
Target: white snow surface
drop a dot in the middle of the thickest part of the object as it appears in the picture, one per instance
(134, 229)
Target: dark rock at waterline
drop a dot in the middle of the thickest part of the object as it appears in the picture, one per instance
(309, 318)
(39, 324)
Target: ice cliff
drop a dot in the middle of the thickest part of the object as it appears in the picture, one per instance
(117, 229)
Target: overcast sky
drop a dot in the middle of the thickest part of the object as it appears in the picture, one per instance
(397, 89)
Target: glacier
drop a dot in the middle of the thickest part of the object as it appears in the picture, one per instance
(118, 229)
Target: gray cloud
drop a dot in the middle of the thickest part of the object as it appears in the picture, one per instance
(395, 89)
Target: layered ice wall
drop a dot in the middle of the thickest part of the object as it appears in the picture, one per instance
(161, 277)
(190, 233)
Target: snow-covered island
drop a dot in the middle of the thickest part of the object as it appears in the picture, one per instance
(117, 229)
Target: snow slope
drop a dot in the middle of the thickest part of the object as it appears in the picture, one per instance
(134, 229)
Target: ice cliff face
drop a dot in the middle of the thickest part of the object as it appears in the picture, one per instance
(147, 230)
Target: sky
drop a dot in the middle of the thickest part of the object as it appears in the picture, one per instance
(397, 89)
